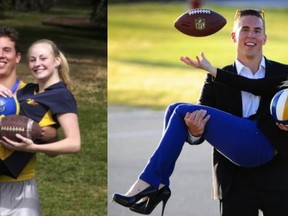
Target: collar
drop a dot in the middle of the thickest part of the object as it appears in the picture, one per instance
(240, 66)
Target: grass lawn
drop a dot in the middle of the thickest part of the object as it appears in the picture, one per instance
(73, 185)
(144, 49)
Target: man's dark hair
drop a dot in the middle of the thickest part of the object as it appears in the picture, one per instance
(11, 33)
(249, 12)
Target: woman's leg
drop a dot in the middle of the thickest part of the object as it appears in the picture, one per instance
(140, 185)
(162, 162)
(168, 113)
(237, 138)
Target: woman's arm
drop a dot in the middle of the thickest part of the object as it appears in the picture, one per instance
(255, 86)
(70, 144)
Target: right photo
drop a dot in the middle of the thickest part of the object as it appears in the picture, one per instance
(197, 115)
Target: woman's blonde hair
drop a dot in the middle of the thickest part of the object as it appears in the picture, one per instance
(63, 69)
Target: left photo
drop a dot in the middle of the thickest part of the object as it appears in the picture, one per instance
(53, 108)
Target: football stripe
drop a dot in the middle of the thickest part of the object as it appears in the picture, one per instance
(29, 128)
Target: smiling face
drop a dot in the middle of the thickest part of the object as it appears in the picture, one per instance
(8, 57)
(249, 36)
(42, 62)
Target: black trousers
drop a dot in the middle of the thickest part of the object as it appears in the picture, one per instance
(245, 198)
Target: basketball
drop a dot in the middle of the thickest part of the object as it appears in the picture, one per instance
(9, 106)
(279, 107)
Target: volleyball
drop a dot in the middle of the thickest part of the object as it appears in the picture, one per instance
(8, 106)
(279, 107)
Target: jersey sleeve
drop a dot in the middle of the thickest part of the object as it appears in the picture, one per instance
(63, 102)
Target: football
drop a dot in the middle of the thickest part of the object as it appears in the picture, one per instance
(279, 107)
(8, 106)
(200, 22)
(12, 124)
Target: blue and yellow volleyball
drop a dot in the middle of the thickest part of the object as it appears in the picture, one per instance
(9, 106)
(279, 107)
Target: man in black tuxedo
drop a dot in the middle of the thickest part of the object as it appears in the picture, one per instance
(245, 191)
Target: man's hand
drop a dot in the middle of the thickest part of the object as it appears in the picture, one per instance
(48, 134)
(283, 127)
(5, 92)
(196, 122)
(201, 63)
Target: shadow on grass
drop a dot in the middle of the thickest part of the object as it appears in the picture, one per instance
(152, 64)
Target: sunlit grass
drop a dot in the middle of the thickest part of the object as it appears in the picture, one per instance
(73, 185)
(144, 49)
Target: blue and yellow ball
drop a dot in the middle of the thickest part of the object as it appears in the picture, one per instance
(279, 107)
(9, 106)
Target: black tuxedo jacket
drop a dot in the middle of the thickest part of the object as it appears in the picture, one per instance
(274, 174)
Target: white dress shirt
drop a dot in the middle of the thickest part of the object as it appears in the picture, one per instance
(250, 102)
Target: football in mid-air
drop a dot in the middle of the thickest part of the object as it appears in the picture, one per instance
(200, 22)
(279, 107)
(12, 124)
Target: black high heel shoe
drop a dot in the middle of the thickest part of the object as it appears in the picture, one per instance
(149, 205)
(129, 201)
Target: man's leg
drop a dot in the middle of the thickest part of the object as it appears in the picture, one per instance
(275, 203)
(242, 198)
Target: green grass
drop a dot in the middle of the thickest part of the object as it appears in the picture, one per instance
(73, 185)
(144, 50)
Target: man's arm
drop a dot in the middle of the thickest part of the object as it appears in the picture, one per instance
(49, 134)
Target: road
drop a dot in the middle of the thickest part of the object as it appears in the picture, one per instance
(133, 135)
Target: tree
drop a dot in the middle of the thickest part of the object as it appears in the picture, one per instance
(4, 6)
(28, 5)
(99, 13)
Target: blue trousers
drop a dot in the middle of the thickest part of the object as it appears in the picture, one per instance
(238, 139)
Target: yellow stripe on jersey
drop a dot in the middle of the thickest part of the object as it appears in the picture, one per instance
(47, 120)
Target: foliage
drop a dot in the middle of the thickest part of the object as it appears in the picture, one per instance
(144, 51)
(4, 6)
(99, 13)
(73, 185)
(137, 1)
(30, 5)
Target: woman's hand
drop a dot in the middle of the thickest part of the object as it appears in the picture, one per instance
(201, 63)
(24, 144)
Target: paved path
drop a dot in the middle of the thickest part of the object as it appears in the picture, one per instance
(133, 136)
